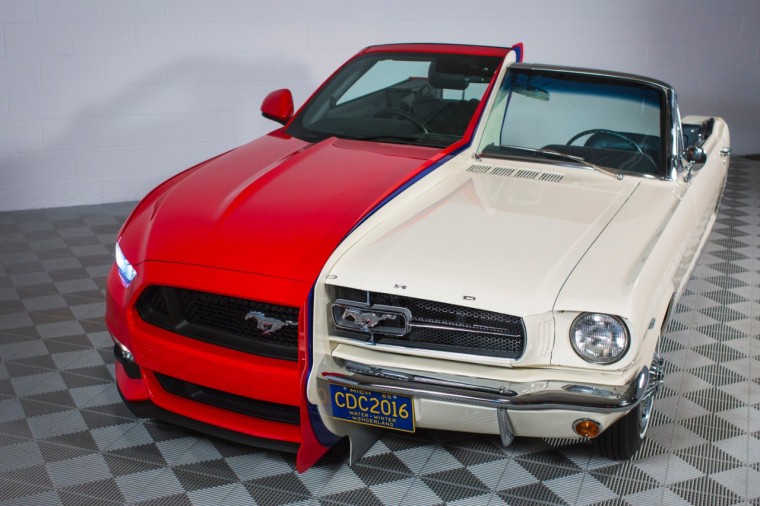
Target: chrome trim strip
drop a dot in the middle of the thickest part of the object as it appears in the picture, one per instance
(357, 368)
(595, 398)
(473, 330)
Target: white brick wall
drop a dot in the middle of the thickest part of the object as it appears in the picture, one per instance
(100, 100)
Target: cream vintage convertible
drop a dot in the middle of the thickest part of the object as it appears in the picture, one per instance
(521, 287)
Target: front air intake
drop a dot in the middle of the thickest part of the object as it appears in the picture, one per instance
(250, 326)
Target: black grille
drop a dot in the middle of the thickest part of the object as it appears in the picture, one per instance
(221, 320)
(447, 327)
(224, 400)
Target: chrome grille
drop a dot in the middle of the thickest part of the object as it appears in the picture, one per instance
(220, 320)
(445, 327)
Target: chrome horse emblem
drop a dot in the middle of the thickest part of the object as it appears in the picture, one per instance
(268, 325)
(366, 319)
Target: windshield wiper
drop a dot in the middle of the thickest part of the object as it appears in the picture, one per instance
(398, 139)
(390, 138)
(565, 156)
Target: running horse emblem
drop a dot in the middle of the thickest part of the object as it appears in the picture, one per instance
(268, 325)
(366, 319)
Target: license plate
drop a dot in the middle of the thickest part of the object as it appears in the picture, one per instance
(389, 411)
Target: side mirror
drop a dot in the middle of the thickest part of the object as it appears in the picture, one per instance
(695, 155)
(278, 106)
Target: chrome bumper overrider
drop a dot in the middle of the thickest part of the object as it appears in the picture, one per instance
(504, 397)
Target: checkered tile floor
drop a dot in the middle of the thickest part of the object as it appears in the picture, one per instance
(65, 437)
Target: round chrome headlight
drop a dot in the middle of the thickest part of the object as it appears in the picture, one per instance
(599, 338)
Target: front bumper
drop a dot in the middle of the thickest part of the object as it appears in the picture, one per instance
(539, 408)
(148, 409)
(220, 391)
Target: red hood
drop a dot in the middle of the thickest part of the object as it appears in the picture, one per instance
(276, 206)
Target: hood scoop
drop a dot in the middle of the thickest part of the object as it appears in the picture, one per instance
(549, 177)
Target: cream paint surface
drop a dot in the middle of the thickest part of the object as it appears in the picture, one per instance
(507, 242)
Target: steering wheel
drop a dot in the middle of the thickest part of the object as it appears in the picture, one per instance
(395, 112)
(620, 136)
(623, 137)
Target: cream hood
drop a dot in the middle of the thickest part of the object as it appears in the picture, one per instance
(503, 239)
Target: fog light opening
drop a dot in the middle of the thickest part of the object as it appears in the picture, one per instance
(125, 357)
(124, 351)
(587, 428)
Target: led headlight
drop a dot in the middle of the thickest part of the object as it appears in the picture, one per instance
(126, 271)
(599, 338)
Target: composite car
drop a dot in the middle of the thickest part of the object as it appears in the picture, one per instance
(209, 301)
(442, 237)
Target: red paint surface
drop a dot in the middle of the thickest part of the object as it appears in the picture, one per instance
(438, 48)
(263, 210)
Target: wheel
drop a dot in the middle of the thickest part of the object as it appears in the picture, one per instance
(394, 112)
(624, 438)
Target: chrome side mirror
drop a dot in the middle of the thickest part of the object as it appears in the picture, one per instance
(695, 155)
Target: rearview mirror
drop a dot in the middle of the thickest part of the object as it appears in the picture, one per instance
(278, 106)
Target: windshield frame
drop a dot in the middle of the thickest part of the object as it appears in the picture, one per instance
(668, 161)
(298, 127)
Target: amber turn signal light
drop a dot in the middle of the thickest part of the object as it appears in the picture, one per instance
(586, 428)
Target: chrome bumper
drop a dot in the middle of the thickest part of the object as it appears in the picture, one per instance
(504, 397)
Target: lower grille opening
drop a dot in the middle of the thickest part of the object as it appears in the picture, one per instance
(231, 402)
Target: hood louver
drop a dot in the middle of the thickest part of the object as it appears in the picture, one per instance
(548, 177)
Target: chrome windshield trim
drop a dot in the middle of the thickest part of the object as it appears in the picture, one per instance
(596, 398)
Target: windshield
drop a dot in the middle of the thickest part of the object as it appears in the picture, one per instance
(424, 99)
(557, 115)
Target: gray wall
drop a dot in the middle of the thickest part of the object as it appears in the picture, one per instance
(100, 100)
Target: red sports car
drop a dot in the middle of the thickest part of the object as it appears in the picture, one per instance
(209, 298)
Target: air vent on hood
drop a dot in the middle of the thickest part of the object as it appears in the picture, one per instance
(480, 169)
(552, 178)
(527, 174)
(549, 177)
(503, 171)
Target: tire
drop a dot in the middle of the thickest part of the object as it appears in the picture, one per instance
(624, 438)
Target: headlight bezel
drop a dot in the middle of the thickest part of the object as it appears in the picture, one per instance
(124, 267)
(584, 351)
